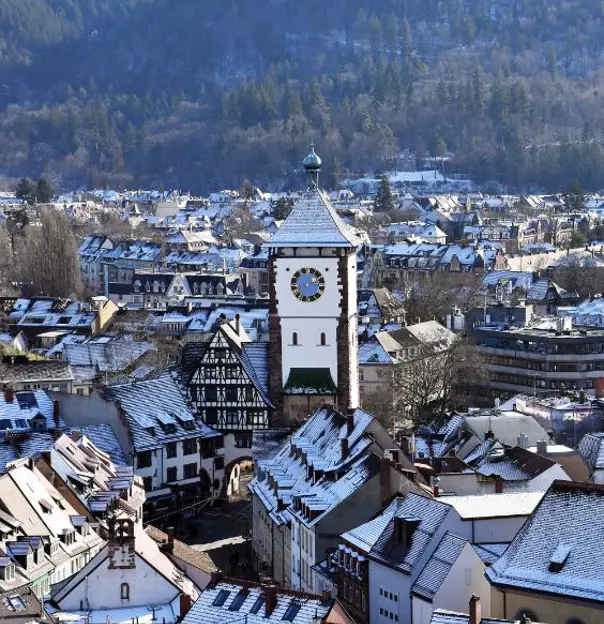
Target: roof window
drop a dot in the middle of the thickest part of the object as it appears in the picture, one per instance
(221, 598)
(558, 558)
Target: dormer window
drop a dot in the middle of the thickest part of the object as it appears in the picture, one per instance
(68, 537)
(7, 569)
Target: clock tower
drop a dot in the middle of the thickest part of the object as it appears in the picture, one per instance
(313, 307)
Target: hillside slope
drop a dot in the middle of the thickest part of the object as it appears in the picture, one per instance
(199, 94)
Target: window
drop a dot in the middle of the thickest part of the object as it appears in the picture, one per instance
(221, 598)
(144, 459)
(125, 591)
(292, 611)
(148, 483)
(190, 471)
(211, 393)
(189, 447)
(171, 474)
(295, 338)
(171, 450)
(248, 394)
(323, 339)
(218, 463)
(230, 394)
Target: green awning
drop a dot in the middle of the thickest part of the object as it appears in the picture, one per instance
(310, 381)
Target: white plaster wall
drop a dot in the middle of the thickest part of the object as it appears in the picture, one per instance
(382, 577)
(598, 476)
(308, 319)
(101, 588)
(542, 482)
(491, 530)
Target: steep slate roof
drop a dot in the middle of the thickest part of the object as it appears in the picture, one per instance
(228, 602)
(313, 222)
(182, 551)
(591, 448)
(558, 551)
(376, 537)
(149, 404)
(309, 381)
(513, 464)
(438, 567)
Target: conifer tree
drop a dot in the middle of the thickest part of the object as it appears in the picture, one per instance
(383, 199)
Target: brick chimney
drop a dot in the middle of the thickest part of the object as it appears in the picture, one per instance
(404, 528)
(56, 412)
(475, 611)
(185, 604)
(9, 394)
(385, 482)
(542, 448)
(350, 421)
(270, 600)
(168, 547)
(344, 447)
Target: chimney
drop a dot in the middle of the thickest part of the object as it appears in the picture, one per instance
(385, 483)
(237, 323)
(350, 421)
(523, 441)
(498, 485)
(435, 480)
(475, 611)
(542, 448)
(185, 604)
(270, 600)
(9, 394)
(404, 528)
(76, 435)
(325, 595)
(56, 412)
(344, 446)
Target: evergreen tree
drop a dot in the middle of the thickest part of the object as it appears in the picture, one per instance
(575, 200)
(283, 207)
(44, 191)
(26, 190)
(383, 199)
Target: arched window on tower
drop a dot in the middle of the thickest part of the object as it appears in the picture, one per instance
(323, 339)
(125, 591)
(295, 338)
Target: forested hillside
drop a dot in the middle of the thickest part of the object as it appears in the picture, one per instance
(202, 93)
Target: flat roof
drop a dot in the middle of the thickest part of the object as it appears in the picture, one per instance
(494, 505)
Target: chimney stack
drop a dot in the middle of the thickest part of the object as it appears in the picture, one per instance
(344, 446)
(350, 421)
(385, 481)
(542, 448)
(475, 611)
(270, 600)
(169, 547)
(237, 323)
(9, 394)
(56, 412)
(185, 604)
(404, 528)
(523, 441)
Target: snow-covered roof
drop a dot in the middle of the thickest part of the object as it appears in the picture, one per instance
(229, 601)
(558, 551)
(313, 222)
(507, 504)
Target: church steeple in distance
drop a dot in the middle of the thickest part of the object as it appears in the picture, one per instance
(312, 164)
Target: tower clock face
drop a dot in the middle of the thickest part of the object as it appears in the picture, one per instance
(307, 284)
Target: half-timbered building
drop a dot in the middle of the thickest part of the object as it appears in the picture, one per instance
(226, 382)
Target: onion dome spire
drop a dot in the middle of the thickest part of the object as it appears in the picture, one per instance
(312, 164)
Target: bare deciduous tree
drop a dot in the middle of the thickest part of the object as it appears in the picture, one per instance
(47, 259)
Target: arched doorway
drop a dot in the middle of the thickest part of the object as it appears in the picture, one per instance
(236, 475)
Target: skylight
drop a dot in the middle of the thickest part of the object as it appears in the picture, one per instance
(238, 601)
(257, 605)
(292, 611)
(221, 598)
(559, 557)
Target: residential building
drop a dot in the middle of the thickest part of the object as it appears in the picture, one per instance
(21, 373)
(226, 381)
(195, 564)
(333, 473)
(421, 553)
(180, 458)
(553, 570)
(44, 539)
(474, 616)
(233, 601)
(91, 253)
(254, 270)
(546, 297)
(591, 448)
(110, 586)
